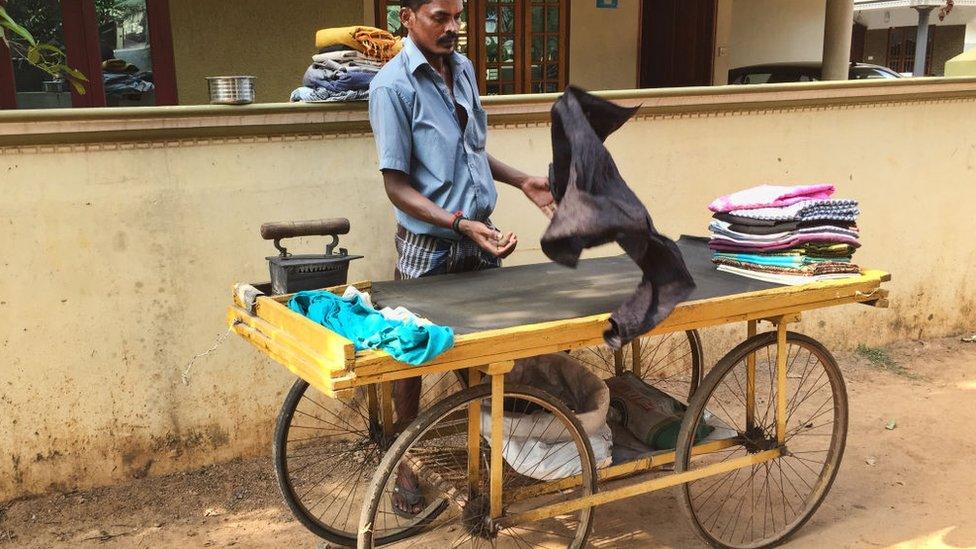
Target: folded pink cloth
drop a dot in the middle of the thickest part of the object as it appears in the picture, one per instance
(728, 245)
(770, 196)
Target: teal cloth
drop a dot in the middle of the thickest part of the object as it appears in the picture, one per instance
(360, 323)
(785, 260)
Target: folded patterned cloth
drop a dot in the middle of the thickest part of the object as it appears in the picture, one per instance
(305, 94)
(723, 228)
(778, 259)
(728, 245)
(825, 267)
(765, 196)
(807, 210)
(786, 279)
(827, 249)
(375, 43)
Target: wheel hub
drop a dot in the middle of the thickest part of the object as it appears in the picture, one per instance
(476, 518)
(756, 440)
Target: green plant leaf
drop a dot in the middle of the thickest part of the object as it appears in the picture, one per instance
(74, 73)
(33, 55)
(8, 23)
(50, 48)
(78, 86)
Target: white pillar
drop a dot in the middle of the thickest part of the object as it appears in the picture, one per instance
(838, 25)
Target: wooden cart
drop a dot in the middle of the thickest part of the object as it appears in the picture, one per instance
(758, 448)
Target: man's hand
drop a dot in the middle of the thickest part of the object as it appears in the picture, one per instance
(537, 189)
(489, 239)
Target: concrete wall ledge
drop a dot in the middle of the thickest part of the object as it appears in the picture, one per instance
(147, 124)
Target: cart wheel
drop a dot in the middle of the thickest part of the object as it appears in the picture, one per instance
(326, 450)
(762, 505)
(435, 448)
(671, 362)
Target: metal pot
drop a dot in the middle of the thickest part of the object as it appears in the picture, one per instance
(231, 90)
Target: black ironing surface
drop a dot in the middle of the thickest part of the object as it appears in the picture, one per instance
(528, 294)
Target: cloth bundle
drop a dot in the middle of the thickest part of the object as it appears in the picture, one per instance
(399, 332)
(123, 78)
(337, 74)
(785, 235)
(377, 44)
(348, 59)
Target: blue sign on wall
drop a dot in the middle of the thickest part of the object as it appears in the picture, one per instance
(606, 3)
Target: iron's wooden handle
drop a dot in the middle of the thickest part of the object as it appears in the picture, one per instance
(313, 227)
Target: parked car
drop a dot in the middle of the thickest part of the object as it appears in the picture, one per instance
(802, 72)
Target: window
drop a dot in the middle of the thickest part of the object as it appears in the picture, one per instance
(901, 49)
(517, 46)
(123, 47)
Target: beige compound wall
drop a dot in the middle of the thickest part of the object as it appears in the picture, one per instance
(118, 259)
(273, 41)
(775, 31)
(603, 45)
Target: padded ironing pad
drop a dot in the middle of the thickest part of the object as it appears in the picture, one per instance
(529, 294)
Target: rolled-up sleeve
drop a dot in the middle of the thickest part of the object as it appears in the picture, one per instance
(390, 119)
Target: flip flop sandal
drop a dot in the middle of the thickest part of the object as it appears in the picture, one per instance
(409, 498)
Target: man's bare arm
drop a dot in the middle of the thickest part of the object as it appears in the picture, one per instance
(411, 202)
(535, 188)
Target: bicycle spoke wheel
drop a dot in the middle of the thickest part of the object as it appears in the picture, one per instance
(764, 503)
(671, 362)
(326, 450)
(431, 458)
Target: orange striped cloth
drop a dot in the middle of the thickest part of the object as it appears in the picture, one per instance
(374, 43)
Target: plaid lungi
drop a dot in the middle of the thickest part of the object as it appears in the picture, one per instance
(424, 255)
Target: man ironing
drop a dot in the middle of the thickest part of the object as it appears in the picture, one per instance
(430, 131)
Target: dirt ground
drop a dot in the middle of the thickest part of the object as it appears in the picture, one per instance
(910, 486)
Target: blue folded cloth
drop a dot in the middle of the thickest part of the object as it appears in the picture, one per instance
(360, 323)
(323, 95)
(337, 80)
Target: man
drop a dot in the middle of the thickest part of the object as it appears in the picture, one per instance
(430, 131)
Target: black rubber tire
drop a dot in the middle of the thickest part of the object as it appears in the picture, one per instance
(279, 457)
(427, 419)
(698, 405)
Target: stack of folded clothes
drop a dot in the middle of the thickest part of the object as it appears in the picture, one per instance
(347, 61)
(785, 235)
(123, 78)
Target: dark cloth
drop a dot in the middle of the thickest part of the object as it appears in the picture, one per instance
(788, 226)
(784, 227)
(595, 206)
(337, 47)
(747, 221)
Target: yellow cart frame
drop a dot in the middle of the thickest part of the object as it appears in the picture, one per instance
(331, 364)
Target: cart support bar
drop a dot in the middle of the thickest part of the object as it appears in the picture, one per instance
(474, 435)
(750, 379)
(781, 352)
(624, 492)
(497, 440)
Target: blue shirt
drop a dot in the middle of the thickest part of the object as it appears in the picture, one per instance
(417, 132)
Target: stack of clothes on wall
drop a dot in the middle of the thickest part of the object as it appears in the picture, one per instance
(785, 235)
(347, 60)
(123, 78)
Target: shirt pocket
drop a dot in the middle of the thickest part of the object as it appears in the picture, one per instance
(435, 148)
(479, 128)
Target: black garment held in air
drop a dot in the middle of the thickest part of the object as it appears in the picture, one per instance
(595, 206)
